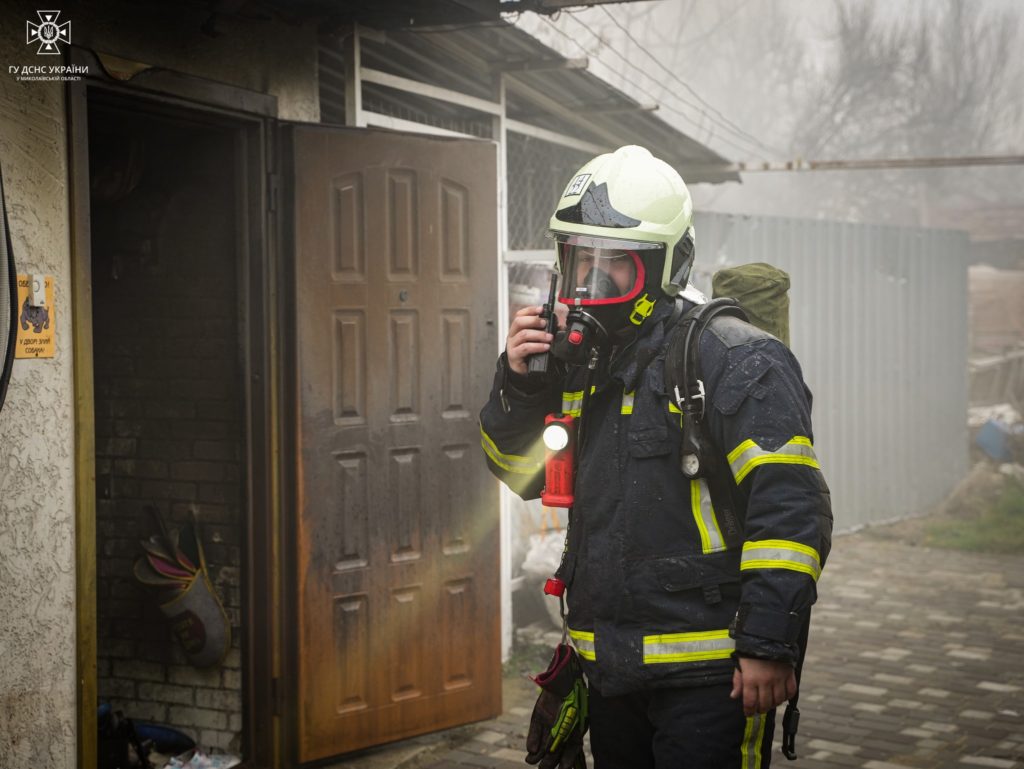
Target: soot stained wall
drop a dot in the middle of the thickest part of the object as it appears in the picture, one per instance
(169, 404)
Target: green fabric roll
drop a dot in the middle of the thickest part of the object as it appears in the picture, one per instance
(762, 291)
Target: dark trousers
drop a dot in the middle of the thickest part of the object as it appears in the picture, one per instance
(692, 728)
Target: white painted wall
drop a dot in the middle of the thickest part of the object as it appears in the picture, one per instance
(37, 512)
(37, 516)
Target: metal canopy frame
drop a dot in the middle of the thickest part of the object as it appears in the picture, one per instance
(501, 96)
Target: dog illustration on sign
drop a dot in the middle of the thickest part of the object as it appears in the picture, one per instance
(37, 317)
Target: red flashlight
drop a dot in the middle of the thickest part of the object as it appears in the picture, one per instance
(558, 460)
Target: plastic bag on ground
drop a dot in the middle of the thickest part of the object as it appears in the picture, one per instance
(197, 759)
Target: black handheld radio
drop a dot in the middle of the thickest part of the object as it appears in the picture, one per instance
(537, 365)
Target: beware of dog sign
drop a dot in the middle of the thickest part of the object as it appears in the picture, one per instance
(36, 323)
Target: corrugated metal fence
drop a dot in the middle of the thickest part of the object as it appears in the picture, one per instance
(878, 319)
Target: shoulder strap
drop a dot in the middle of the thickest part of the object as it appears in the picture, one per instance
(698, 456)
(682, 362)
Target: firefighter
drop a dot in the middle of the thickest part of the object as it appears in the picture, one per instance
(688, 625)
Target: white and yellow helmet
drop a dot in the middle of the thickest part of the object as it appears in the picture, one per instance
(629, 214)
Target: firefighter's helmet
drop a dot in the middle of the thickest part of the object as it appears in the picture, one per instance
(624, 235)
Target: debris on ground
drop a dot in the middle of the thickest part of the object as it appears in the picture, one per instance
(1002, 412)
(998, 431)
(197, 759)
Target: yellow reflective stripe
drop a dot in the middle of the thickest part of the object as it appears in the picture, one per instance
(674, 409)
(512, 463)
(572, 402)
(584, 643)
(711, 539)
(748, 455)
(688, 647)
(753, 737)
(627, 403)
(781, 554)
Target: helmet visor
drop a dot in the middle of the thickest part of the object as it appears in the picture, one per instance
(599, 271)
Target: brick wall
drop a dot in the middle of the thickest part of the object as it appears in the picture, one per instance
(169, 428)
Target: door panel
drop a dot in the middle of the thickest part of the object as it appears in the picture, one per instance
(397, 520)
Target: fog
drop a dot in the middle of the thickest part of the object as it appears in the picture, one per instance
(781, 80)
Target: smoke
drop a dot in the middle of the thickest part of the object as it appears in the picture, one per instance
(787, 79)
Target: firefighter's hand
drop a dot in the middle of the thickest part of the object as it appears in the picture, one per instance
(762, 684)
(526, 336)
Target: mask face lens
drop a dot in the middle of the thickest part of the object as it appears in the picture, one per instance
(604, 273)
(600, 271)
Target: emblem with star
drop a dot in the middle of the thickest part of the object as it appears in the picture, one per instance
(48, 32)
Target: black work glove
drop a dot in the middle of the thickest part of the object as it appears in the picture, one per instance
(559, 719)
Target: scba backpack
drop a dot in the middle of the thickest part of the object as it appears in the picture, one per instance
(757, 294)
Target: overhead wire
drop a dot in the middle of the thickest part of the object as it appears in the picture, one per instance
(708, 111)
(735, 128)
(648, 94)
(722, 122)
(638, 88)
(700, 127)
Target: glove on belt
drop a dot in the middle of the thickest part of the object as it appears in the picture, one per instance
(559, 719)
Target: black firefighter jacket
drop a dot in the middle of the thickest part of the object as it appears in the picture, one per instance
(659, 592)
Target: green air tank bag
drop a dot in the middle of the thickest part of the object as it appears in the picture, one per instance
(762, 291)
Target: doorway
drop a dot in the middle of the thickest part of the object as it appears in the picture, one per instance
(169, 307)
(312, 410)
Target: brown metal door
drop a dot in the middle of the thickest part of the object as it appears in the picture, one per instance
(397, 521)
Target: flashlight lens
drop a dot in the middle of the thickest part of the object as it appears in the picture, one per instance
(556, 437)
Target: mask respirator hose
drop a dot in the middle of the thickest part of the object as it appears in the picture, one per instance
(582, 333)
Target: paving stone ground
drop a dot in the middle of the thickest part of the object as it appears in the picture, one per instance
(916, 659)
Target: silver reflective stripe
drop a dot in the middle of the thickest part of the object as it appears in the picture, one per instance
(753, 736)
(688, 647)
(584, 643)
(627, 403)
(572, 403)
(781, 554)
(748, 455)
(711, 540)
